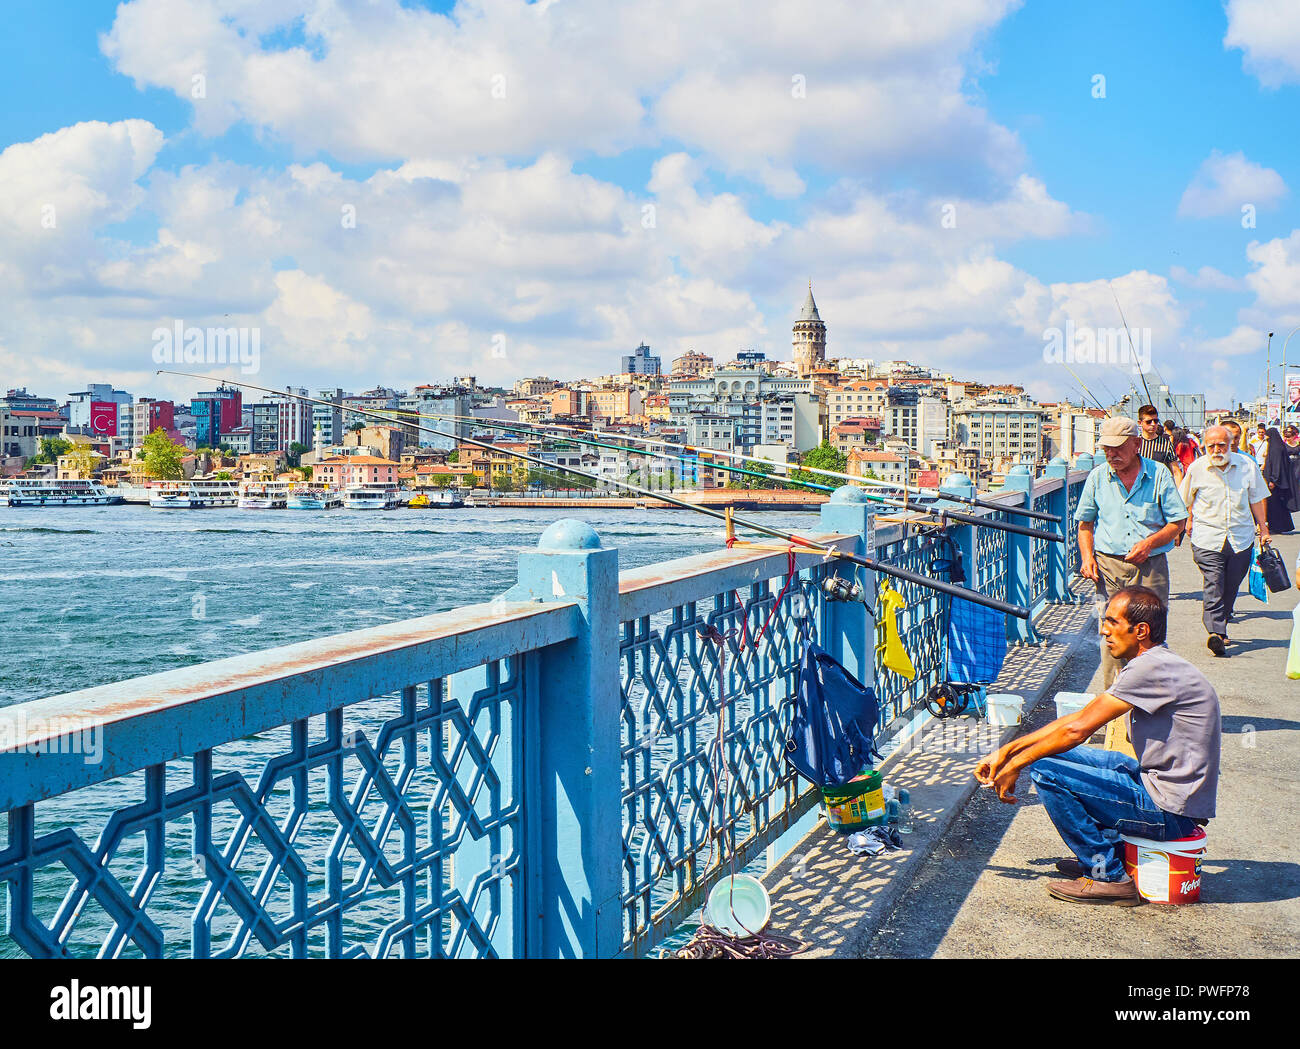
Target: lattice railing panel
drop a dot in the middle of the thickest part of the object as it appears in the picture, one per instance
(670, 709)
(1039, 549)
(390, 827)
(921, 627)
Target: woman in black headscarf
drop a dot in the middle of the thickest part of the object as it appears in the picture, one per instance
(1281, 492)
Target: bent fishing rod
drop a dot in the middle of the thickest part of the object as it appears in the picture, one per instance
(1038, 515)
(869, 563)
(902, 504)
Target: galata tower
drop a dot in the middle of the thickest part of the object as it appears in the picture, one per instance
(809, 337)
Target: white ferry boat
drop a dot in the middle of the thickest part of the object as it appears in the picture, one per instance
(371, 497)
(136, 493)
(314, 499)
(194, 495)
(33, 491)
(265, 495)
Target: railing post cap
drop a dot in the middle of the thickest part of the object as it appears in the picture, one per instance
(955, 481)
(848, 493)
(569, 534)
(1019, 470)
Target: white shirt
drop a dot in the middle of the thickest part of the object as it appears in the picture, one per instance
(1219, 499)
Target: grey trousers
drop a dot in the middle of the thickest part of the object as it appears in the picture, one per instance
(1114, 575)
(1223, 571)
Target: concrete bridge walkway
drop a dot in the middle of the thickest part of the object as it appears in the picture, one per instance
(973, 882)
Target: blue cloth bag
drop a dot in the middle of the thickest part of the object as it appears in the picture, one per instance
(977, 642)
(834, 726)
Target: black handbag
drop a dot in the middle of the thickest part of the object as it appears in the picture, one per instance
(1274, 568)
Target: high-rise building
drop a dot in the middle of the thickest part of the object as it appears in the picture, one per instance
(641, 362)
(809, 337)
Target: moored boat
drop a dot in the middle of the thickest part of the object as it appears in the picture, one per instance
(314, 499)
(265, 495)
(371, 497)
(194, 495)
(37, 491)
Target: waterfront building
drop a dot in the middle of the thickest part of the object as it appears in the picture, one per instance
(388, 442)
(917, 418)
(20, 400)
(431, 404)
(854, 434)
(345, 470)
(1001, 429)
(886, 465)
(94, 409)
(572, 402)
(856, 399)
(610, 405)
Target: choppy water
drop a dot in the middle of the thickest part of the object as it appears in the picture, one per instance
(100, 594)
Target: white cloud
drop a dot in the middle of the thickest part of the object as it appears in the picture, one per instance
(1275, 280)
(1268, 33)
(1223, 184)
(1207, 278)
(878, 83)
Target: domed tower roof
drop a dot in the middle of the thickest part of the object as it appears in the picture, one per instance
(809, 311)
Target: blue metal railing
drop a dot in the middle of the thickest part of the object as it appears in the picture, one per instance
(534, 776)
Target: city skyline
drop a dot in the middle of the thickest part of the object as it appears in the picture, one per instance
(556, 183)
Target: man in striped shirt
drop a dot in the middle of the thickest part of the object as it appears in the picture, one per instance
(1156, 444)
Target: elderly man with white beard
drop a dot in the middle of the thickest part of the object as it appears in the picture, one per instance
(1224, 492)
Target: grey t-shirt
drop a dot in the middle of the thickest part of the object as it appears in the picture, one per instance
(1175, 726)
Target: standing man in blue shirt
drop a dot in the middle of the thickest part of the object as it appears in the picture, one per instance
(1129, 515)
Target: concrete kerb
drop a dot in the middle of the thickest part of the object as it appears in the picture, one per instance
(835, 901)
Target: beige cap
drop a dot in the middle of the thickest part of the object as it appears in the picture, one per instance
(1116, 431)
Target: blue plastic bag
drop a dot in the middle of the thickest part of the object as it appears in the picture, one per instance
(977, 642)
(1255, 577)
(833, 730)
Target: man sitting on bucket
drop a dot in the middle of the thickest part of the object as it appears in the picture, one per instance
(1093, 795)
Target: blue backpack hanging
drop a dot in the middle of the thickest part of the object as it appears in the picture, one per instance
(832, 734)
(977, 642)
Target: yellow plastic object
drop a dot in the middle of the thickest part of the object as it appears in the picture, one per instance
(1293, 656)
(892, 655)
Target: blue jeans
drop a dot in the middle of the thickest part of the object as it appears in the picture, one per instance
(1094, 795)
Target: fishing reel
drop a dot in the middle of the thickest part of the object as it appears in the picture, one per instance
(949, 700)
(838, 589)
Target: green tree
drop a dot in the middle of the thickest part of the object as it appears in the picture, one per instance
(295, 453)
(453, 456)
(51, 449)
(442, 481)
(223, 475)
(823, 457)
(161, 456)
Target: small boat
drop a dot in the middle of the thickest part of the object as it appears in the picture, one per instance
(314, 499)
(33, 491)
(419, 501)
(371, 497)
(264, 495)
(194, 495)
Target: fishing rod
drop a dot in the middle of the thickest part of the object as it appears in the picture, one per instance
(1083, 387)
(903, 504)
(1132, 350)
(1037, 515)
(869, 563)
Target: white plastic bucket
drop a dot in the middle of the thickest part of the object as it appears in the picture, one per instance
(1166, 871)
(739, 906)
(1068, 703)
(1005, 708)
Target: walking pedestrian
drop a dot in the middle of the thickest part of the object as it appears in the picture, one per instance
(1259, 444)
(1281, 494)
(1234, 428)
(1156, 444)
(1129, 514)
(1225, 495)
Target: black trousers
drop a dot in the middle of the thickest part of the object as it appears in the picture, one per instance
(1223, 571)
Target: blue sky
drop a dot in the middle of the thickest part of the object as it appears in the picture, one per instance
(523, 216)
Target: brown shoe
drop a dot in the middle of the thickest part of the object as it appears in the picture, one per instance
(1072, 868)
(1215, 644)
(1086, 890)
